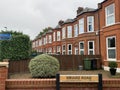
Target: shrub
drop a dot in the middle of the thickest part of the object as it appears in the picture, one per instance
(44, 66)
(112, 64)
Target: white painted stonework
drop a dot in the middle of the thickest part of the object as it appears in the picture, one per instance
(4, 64)
(107, 69)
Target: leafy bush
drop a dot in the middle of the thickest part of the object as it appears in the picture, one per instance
(112, 64)
(44, 66)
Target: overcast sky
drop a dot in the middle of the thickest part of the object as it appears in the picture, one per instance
(31, 16)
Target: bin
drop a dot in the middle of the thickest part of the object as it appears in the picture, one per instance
(87, 64)
(93, 64)
(80, 67)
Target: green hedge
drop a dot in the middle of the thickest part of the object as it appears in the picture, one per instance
(17, 48)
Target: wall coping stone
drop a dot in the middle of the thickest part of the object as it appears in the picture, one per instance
(4, 64)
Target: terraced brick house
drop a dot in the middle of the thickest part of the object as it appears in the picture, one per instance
(91, 32)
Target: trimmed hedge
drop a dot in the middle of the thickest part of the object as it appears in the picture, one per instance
(44, 66)
(17, 48)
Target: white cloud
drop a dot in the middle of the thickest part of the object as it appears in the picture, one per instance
(31, 16)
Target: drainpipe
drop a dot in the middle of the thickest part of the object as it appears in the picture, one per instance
(99, 32)
(99, 37)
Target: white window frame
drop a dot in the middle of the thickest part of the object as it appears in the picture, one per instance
(81, 26)
(75, 30)
(111, 59)
(80, 48)
(63, 33)
(40, 42)
(54, 49)
(69, 31)
(90, 23)
(110, 15)
(33, 44)
(69, 50)
(91, 49)
(58, 49)
(54, 36)
(63, 51)
(76, 51)
(44, 40)
(58, 35)
(50, 39)
(49, 50)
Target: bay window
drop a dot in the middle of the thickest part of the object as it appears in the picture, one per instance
(81, 26)
(90, 23)
(58, 49)
(110, 14)
(54, 36)
(69, 49)
(81, 48)
(50, 39)
(69, 31)
(63, 33)
(63, 49)
(91, 48)
(75, 30)
(111, 48)
(58, 35)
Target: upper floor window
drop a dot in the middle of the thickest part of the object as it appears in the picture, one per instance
(75, 30)
(81, 26)
(63, 33)
(44, 40)
(69, 31)
(50, 39)
(37, 43)
(58, 35)
(33, 44)
(110, 14)
(90, 23)
(54, 36)
(40, 42)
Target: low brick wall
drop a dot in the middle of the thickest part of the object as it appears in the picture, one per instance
(30, 84)
(50, 84)
(3, 74)
(111, 84)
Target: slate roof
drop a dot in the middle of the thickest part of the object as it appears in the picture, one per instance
(86, 10)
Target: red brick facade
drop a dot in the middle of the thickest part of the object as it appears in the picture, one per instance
(97, 30)
(3, 74)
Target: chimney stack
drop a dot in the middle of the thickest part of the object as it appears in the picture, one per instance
(60, 22)
(79, 10)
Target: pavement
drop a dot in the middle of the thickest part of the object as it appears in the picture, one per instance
(105, 74)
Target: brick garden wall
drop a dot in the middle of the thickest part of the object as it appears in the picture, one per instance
(3, 74)
(50, 84)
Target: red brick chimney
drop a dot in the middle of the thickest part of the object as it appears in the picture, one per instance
(79, 10)
(60, 22)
